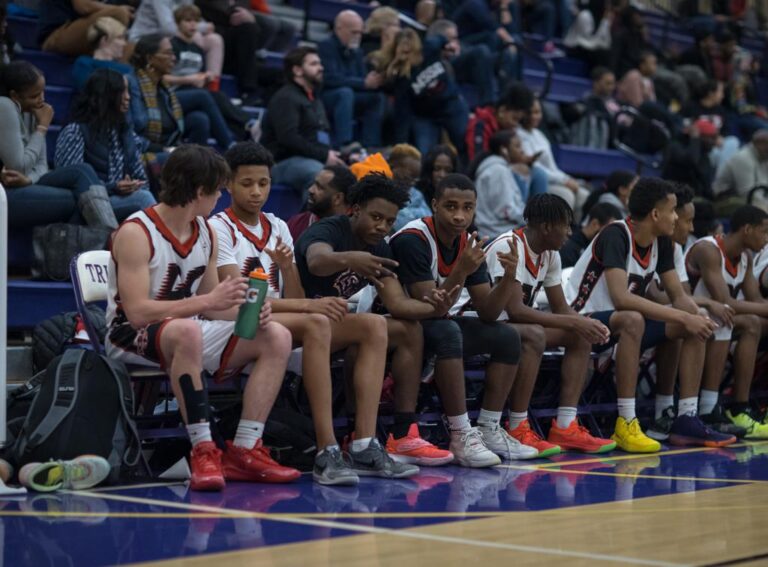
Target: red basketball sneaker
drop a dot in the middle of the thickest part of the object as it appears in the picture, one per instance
(205, 462)
(255, 465)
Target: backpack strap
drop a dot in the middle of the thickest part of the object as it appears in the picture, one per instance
(64, 396)
(126, 406)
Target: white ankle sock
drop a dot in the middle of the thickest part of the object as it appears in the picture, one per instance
(707, 401)
(626, 407)
(516, 418)
(329, 448)
(199, 432)
(488, 418)
(361, 444)
(565, 416)
(459, 422)
(248, 433)
(687, 406)
(663, 402)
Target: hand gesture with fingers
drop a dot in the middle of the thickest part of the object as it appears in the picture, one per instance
(282, 255)
(372, 267)
(508, 260)
(473, 254)
(228, 293)
(442, 300)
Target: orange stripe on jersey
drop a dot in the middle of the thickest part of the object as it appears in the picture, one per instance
(444, 268)
(644, 261)
(732, 268)
(532, 268)
(266, 229)
(181, 248)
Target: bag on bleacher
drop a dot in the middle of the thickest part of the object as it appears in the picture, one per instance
(83, 407)
(51, 336)
(54, 245)
(591, 131)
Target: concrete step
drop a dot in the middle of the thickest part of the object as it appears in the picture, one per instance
(18, 364)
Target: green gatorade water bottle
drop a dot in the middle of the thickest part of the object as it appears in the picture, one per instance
(248, 317)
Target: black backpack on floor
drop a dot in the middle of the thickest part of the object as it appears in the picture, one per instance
(83, 407)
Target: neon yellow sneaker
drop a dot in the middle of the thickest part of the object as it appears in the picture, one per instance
(630, 438)
(755, 429)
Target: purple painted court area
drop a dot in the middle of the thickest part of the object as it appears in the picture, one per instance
(121, 526)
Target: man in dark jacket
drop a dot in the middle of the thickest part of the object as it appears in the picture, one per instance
(295, 128)
(349, 91)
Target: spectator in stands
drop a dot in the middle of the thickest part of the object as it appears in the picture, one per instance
(636, 86)
(707, 106)
(63, 25)
(106, 36)
(602, 98)
(100, 136)
(594, 127)
(746, 169)
(159, 16)
(8, 47)
(436, 164)
(396, 59)
(433, 100)
(589, 37)
(615, 191)
(327, 197)
(350, 92)
(160, 115)
(535, 143)
(701, 54)
(405, 161)
(486, 29)
(428, 11)
(36, 195)
(295, 128)
(380, 29)
(191, 72)
(275, 34)
(599, 216)
(743, 97)
(500, 201)
(243, 36)
(688, 160)
(630, 42)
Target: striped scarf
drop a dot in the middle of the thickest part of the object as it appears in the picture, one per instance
(150, 92)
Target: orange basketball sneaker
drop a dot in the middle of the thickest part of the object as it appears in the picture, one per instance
(205, 463)
(417, 451)
(255, 465)
(528, 436)
(575, 437)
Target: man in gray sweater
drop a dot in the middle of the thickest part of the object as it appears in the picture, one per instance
(747, 168)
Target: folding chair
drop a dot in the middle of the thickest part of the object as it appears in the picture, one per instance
(90, 275)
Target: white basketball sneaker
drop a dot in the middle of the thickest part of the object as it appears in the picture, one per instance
(504, 445)
(469, 449)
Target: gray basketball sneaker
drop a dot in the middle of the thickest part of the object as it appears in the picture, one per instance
(331, 468)
(375, 461)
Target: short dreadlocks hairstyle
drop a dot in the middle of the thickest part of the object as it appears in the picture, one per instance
(546, 208)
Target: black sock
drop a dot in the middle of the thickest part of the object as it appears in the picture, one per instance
(739, 407)
(403, 421)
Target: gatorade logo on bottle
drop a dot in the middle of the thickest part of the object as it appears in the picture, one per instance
(252, 295)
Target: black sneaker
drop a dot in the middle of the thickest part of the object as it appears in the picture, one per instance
(716, 420)
(332, 469)
(659, 429)
(689, 430)
(375, 461)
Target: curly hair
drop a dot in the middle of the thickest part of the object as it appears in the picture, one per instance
(378, 186)
(98, 105)
(248, 153)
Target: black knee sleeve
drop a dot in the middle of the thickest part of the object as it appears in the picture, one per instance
(442, 338)
(195, 401)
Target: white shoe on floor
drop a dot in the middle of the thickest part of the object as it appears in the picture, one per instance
(468, 447)
(504, 445)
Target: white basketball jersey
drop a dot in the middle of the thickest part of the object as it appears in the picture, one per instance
(424, 228)
(733, 274)
(760, 269)
(244, 247)
(175, 268)
(587, 290)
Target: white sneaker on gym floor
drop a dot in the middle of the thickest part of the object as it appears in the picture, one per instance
(469, 449)
(504, 445)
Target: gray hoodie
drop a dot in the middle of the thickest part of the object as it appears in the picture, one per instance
(499, 199)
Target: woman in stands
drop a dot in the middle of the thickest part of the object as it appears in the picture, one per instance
(589, 37)
(380, 29)
(161, 116)
(107, 38)
(101, 136)
(36, 195)
(535, 143)
(618, 186)
(436, 164)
